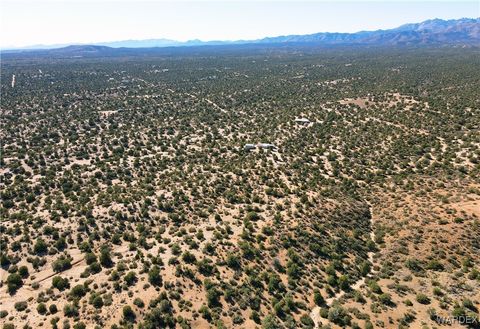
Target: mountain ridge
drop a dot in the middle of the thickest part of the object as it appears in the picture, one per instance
(430, 32)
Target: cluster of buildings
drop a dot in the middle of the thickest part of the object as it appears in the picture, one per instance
(268, 146)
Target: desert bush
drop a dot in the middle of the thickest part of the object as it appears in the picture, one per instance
(78, 291)
(128, 313)
(21, 306)
(14, 282)
(422, 299)
(60, 283)
(41, 308)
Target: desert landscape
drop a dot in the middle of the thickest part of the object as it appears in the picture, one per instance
(252, 187)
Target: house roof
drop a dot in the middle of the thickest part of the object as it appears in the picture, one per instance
(302, 120)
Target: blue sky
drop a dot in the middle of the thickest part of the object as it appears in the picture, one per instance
(30, 22)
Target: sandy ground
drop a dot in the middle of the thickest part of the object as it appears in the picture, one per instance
(315, 313)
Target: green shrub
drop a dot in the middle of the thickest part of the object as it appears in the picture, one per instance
(90, 258)
(138, 302)
(105, 257)
(61, 264)
(40, 247)
(60, 283)
(423, 299)
(41, 308)
(130, 278)
(385, 299)
(14, 282)
(233, 261)
(374, 287)
(21, 306)
(467, 303)
(270, 322)
(435, 265)
(307, 321)
(23, 271)
(79, 325)
(154, 276)
(95, 268)
(318, 298)
(53, 309)
(70, 310)
(437, 291)
(339, 316)
(78, 291)
(128, 313)
(213, 297)
(97, 302)
(188, 257)
(343, 282)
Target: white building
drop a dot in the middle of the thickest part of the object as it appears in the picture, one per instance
(248, 147)
(266, 146)
(302, 121)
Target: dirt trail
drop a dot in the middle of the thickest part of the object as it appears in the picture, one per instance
(55, 273)
(215, 105)
(13, 81)
(315, 313)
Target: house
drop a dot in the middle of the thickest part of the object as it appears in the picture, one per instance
(248, 147)
(302, 121)
(266, 146)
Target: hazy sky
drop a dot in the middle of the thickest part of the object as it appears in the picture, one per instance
(29, 22)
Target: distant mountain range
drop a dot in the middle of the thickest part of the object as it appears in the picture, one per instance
(465, 31)
(435, 31)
